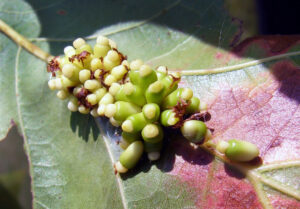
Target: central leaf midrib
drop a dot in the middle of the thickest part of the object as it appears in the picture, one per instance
(119, 182)
(21, 122)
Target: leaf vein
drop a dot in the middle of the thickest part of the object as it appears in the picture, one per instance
(21, 123)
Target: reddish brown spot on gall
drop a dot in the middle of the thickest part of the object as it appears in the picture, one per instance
(53, 66)
(102, 77)
(203, 116)
(180, 108)
(180, 112)
(122, 57)
(80, 57)
(81, 96)
(175, 80)
(92, 75)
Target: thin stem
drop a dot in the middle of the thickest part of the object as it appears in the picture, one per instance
(255, 176)
(23, 42)
(243, 167)
(238, 66)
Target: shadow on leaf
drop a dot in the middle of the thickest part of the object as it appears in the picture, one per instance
(84, 125)
(174, 146)
(289, 77)
(7, 200)
(233, 172)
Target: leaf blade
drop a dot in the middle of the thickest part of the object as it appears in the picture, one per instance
(50, 160)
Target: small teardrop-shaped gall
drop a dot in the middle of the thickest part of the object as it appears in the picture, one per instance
(194, 131)
(241, 151)
(152, 133)
(132, 154)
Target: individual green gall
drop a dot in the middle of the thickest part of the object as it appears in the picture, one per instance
(69, 52)
(121, 110)
(119, 72)
(100, 93)
(96, 64)
(136, 64)
(109, 80)
(102, 47)
(106, 99)
(114, 89)
(120, 95)
(52, 84)
(134, 94)
(84, 75)
(111, 60)
(170, 84)
(134, 77)
(152, 133)
(92, 99)
(155, 93)
(241, 151)
(147, 76)
(83, 110)
(92, 85)
(168, 118)
(71, 72)
(134, 123)
(85, 47)
(194, 106)
(194, 131)
(62, 94)
(114, 122)
(161, 72)
(151, 112)
(143, 77)
(172, 99)
(78, 42)
(132, 154)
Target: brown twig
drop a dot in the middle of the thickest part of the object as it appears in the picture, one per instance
(25, 43)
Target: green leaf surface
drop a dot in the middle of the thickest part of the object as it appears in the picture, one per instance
(71, 164)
